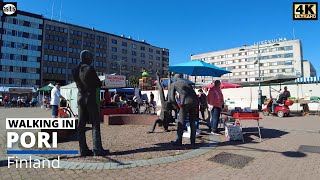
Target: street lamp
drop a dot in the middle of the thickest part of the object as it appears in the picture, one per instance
(120, 63)
(259, 75)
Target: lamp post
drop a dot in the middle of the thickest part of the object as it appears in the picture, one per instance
(120, 63)
(259, 75)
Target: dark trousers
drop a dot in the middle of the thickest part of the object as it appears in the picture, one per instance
(215, 116)
(89, 113)
(184, 109)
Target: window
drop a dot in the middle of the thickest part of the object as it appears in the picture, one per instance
(158, 58)
(134, 60)
(263, 50)
(49, 69)
(150, 63)
(113, 41)
(280, 48)
(251, 73)
(288, 62)
(228, 55)
(134, 46)
(143, 62)
(289, 55)
(150, 50)
(16, 69)
(142, 48)
(142, 55)
(134, 53)
(16, 81)
(157, 51)
(114, 57)
(46, 57)
(229, 62)
(55, 58)
(250, 66)
(114, 49)
(150, 57)
(288, 48)
(250, 52)
(50, 58)
(289, 70)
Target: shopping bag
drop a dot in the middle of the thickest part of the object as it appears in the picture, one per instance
(233, 132)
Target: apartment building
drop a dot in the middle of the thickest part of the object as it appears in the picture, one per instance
(63, 42)
(21, 44)
(278, 56)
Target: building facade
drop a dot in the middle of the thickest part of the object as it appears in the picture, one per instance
(21, 44)
(308, 69)
(276, 57)
(63, 42)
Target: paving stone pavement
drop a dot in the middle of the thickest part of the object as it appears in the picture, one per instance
(276, 157)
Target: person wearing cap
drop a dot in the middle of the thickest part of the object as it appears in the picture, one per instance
(55, 100)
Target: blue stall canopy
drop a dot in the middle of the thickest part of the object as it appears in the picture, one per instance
(122, 90)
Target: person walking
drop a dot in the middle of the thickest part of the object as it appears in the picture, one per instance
(6, 101)
(203, 103)
(151, 99)
(215, 103)
(55, 100)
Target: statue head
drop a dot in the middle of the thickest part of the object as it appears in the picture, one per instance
(86, 57)
(177, 76)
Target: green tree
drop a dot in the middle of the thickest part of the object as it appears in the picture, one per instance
(134, 80)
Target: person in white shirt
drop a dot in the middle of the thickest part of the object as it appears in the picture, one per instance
(55, 100)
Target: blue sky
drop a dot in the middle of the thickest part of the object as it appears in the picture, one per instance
(188, 26)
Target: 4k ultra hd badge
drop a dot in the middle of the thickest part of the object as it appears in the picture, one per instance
(9, 8)
(305, 11)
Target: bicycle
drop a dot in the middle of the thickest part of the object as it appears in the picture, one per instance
(149, 107)
(66, 112)
(135, 106)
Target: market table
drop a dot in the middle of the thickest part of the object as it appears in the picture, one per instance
(245, 116)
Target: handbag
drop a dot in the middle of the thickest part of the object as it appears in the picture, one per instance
(233, 132)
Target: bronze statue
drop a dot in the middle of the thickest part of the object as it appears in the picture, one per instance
(188, 105)
(166, 108)
(87, 82)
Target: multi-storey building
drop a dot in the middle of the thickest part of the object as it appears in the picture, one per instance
(308, 69)
(63, 42)
(21, 43)
(276, 57)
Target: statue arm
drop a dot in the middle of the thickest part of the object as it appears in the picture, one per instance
(171, 96)
(161, 93)
(94, 77)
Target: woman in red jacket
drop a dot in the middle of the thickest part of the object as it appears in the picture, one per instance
(215, 102)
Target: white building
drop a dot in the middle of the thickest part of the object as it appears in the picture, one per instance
(279, 56)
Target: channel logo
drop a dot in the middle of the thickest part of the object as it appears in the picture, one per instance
(305, 11)
(35, 143)
(9, 8)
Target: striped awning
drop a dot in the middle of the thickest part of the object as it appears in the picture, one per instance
(308, 80)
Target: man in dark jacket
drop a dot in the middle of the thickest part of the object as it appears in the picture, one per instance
(203, 103)
(188, 105)
(87, 82)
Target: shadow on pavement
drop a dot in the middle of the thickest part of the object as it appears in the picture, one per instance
(266, 134)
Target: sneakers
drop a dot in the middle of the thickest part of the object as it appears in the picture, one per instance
(216, 133)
